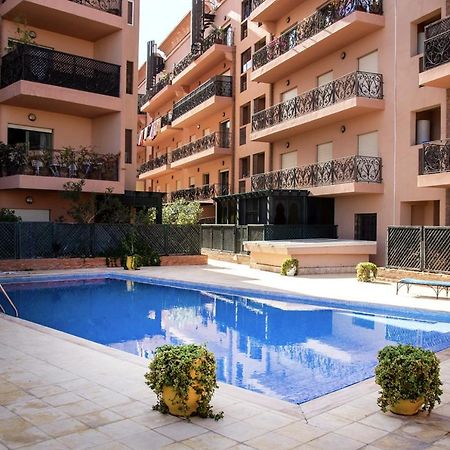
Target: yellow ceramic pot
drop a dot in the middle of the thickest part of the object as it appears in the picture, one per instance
(407, 407)
(174, 403)
(131, 262)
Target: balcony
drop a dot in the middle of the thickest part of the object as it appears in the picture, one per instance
(436, 57)
(85, 19)
(216, 47)
(212, 96)
(270, 10)
(214, 145)
(346, 97)
(50, 169)
(161, 129)
(157, 95)
(204, 193)
(434, 165)
(331, 27)
(155, 167)
(350, 175)
(27, 72)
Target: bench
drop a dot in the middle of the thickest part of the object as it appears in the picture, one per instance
(437, 286)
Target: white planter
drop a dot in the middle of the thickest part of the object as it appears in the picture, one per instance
(291, 272)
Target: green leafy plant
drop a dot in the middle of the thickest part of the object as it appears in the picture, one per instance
(288, 265)
(405, 372)
(181, 212)
(135, 245)
(183, 367)
(8, 215)
(366, 271)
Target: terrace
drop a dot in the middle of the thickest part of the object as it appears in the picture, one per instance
(434, 165)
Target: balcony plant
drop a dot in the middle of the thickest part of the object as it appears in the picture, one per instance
(366, 271)
(68, 162)
(409, 379)
(289, 267)
(46, 159)
(183, 378)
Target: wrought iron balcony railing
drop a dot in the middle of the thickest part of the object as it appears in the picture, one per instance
(68, 163)
(110, 6)
(206, 192)
(43, 65)
(224, 37)
(437, 44)
(312, 25)
(154, 163)
(434, 157)
(159, 86)
(360, 169)
(356, 84)
(220, 85)
(217, 139)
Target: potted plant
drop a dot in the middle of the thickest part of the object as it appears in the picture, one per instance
(366, 271)
(289, 267)
(183, 378)
(409, 379)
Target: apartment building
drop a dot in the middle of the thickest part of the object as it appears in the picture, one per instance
(344, 101)
(68, 96)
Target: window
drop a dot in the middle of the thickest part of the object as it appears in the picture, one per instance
(246, 60)
(245, 114)
(244, 167)
(245, 9)
(428, 125)
(260, 44)
(368, 144)
(205, 179)
(191, 182)
(288, 95)
(369, 63)
(243, 135)
(130, 70)
(32, 138)
(418, 45)
(243, 84)
(289, 160)
(259, 104)
(241, 186)
(325, 152)
(366, 227)
(258, 163)
(130, 12)
(178, 185)
(128, 146)
(244, 30)
(325, 78)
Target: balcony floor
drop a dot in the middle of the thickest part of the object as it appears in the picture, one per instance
(163, 170)
(28, 94)
(436, 77)
(63, 17)
(340, 111)
(272, 10)
(346, 189)
(434, 180)
(162, 97)
(200, 157)
(334, 37)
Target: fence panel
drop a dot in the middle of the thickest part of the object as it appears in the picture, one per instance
(404, 248)
(71, 240)
(207, 237)
(182, 239)
(35, 240)
(8, 240)
(229, 239)
(436, 252)
(108, 236)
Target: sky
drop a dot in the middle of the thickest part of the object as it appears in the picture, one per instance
(157, 20)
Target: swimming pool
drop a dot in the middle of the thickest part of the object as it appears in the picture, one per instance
(295, 350)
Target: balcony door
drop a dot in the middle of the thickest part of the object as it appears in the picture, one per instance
(32, 138)
(224, 128)
(369, 63)
(224, 182)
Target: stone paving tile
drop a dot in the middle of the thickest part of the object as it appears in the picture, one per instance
(111, 446)
(384, 421)
(16, 432)
(209, 441)
(65, 398)
(181, 430)
(46, 391)
(149, 440)
(349, 412)
(243, 410)
(125, 427)
(423, 432)
(271, 441)
(80, 408)
(12, 397)
(397, 442)
(269, 420)
(329, 422)
(335, 442)
(62, 427)
(362, 433)
(132, 409)
(99, 418)
(154, 419)
(46, 445)
(240, 431)
(176, 446)
(84, 439)
(6, 386)
(302, 432)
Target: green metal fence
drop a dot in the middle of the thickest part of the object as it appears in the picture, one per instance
(22, 240)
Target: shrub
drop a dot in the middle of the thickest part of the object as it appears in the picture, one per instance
(8, 215)
(405, 372)
(289, 264)
(366, 271)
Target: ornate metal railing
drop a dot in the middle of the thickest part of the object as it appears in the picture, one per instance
(67, 163)
(434, 157)
(361, 169)
(220, 85)
(256, 3)
(154, 163)
(206, 192)
(43, 65)
(217, 139)
(140, 102)
(437, 43)
(110, 6)
(356, 84)
(224, 37)
(312, 25)
(166, 119)
(159, 86)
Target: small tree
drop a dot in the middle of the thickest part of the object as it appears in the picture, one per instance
(181, 212)
(8, 215)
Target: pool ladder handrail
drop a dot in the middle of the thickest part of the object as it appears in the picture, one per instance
(10, 302)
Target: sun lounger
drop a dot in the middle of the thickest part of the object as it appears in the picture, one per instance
(437, 286)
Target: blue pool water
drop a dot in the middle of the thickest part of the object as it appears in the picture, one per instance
(294, 351)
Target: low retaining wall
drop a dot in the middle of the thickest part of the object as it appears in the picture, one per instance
(7, 265)
(398, 274)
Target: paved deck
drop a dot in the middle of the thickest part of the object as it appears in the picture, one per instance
(58, 391)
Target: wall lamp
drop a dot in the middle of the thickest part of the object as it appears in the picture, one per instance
(29, 199)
